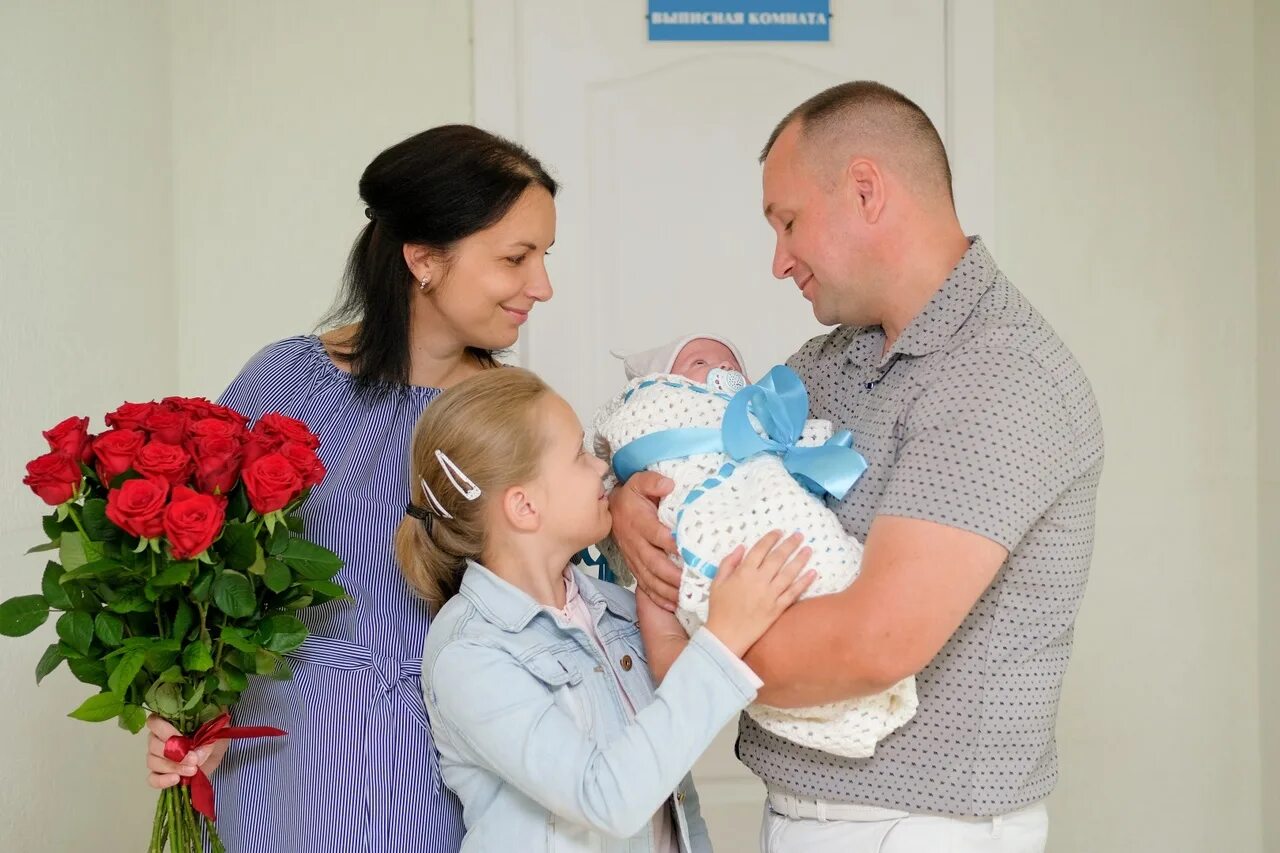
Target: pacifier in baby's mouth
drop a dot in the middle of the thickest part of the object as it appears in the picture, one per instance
(725, 381)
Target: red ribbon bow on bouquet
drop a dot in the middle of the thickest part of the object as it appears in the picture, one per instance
(177, 748)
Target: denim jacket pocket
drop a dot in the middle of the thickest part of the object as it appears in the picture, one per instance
(635, 672)
(562, 676)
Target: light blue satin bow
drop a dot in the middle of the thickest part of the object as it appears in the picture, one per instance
(780, 404)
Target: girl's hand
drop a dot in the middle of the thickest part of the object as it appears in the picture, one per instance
(752, 588)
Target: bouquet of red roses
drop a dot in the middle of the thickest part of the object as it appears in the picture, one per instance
(180, 564)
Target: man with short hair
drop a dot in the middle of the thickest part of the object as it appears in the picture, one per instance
(984, 448)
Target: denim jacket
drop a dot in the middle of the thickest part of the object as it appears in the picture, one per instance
(535, 738)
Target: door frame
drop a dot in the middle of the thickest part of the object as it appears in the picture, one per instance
(969, 134)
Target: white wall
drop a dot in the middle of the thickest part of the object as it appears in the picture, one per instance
(1267, 104)
(1125, 209)
(277, 109)
(86, 275)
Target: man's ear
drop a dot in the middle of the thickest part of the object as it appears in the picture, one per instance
(867, 189)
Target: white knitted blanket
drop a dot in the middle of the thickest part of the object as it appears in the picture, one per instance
(719, 504)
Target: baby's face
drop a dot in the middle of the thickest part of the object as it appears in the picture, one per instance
(700, 356)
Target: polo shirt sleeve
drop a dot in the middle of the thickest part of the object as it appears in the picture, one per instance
(987, 447)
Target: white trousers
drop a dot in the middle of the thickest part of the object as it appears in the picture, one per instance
(856, 829)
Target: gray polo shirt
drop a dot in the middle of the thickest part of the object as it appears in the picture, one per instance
(979, 418)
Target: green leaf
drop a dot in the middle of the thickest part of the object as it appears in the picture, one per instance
(326, 591)
(283, 672)
(238, 638)
(298, 599)
(278, 541)
(165, 698)
(22, 615)
(197, 657)
(133, 718)
(232, 680)
(277, 576)
(88, 671)
(202, 589)
(109, 628)
(237, 503)
(281, 633)
(295, 524)
(48, 662)
(220, 699)
(176, 574)
(76, 630)
(96, 524)
(162, 654)
(52, 588)
(259, 565)
(95, 709)
(94, 569)
(264, 662)
(173, 675)
(52, 527)
(130, 602)
(75, 552)
(196, 696)
(239, 545)
(68, 652)
(183, 618)
(48, 546)
(126, 671)
(311, 561)
(233, 593)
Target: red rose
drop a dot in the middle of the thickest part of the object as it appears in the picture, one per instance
(137, 507)
(167, 425)
(272, 482)
(166, 461)
(285, 428)
(196, 407)
(55, 477)
(223, 413)
(115, 450)
(130, 416)
(192, 522)
(214, 428)
(305, 462)
(72, 438)
(260, 444)
(217, 463)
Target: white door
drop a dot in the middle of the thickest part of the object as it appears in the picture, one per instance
(660, 231)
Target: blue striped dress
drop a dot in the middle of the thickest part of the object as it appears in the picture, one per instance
(357, 771)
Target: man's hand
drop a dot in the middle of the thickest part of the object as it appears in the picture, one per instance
(642, 538)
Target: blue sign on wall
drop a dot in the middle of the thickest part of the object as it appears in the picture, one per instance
(739, 20)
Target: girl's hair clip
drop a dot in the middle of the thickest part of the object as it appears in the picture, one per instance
(460, 481)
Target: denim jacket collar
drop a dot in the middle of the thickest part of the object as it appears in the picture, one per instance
(512, 609)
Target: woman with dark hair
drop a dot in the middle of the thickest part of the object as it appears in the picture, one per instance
(443, 275)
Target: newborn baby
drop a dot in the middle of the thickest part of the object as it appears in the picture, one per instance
(674, 417)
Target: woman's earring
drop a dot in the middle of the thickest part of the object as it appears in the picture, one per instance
(422, 285)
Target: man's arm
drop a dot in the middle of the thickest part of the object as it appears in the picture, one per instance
(919, 580)
(987, 449)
